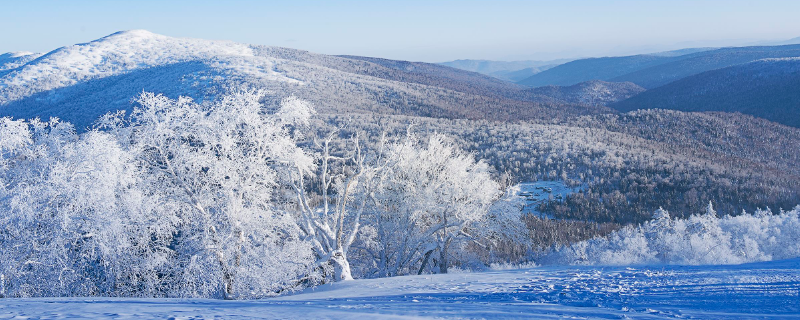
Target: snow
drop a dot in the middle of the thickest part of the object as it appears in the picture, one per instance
(125, 51)
(13, 60)
(535, 193)
(760, 290)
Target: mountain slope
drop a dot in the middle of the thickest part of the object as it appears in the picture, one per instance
(593, 69)
(764, 88)
(653, 70)
(692, 64)
(80, 82)
(594, 92)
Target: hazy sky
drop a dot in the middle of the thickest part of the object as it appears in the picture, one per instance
(431, 31)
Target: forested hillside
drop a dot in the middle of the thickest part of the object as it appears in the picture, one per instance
(764, 88)
(594, 92)
(654, 70)
(695, 63)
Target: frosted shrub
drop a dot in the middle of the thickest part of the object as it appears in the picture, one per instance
(700, 240)
(177, 200)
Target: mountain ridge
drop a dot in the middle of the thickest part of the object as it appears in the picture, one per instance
(102, 75)
(765, 88)
(653, 70)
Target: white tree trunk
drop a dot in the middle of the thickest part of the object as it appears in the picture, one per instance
(341, 266)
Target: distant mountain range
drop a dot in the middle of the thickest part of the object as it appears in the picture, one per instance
(653, 70)
(512, 71)
(768, 88)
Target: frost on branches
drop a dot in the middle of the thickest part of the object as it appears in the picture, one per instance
(174, 200)
(431, 196)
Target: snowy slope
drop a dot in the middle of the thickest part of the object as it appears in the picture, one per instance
(13, 60)
(111, 55)
(78, 83)
(763, 290)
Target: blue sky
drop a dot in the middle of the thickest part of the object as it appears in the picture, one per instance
(430, 31)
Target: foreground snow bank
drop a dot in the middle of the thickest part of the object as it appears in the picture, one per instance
(700, 240)
(760, 290)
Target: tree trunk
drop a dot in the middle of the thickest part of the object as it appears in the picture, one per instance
(443, 256)
(425, 261)
(341, 266)
(443, 261)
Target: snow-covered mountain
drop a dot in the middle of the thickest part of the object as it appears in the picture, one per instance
(115, 54)
(80, 82)
(13, 60)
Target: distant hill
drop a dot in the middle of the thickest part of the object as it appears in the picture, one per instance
(695, 63)
(491, 66)
(512, 71)
(768, 88)
(795, 40)
(517, 75)
(594, 92)
(589, 69)
(653, 70)
(13, 60)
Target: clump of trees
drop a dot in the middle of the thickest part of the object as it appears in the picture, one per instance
(228, 199)
(703, 239)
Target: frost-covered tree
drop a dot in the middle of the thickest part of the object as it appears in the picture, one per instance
(700, 239)
(69, 212)
(331, 217)
(430, 195)
(213, 170)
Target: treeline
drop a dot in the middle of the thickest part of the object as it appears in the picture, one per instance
(632, 164)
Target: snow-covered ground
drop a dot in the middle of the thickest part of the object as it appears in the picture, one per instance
(759, 290)
(534, 193)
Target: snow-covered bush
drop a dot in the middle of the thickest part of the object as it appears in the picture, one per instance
(212, 169)
(703, 239)
(175, 200)
(71, 220)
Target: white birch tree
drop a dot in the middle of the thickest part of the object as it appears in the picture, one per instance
(331, 217)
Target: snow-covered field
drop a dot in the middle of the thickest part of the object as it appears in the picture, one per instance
(760, 290)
